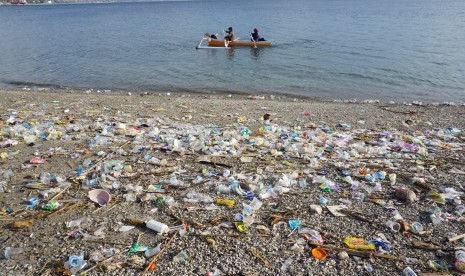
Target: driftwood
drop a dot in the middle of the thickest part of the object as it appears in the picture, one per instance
(159, 253)
(456, 238)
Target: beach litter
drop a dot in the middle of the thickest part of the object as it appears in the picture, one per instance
(255, 187)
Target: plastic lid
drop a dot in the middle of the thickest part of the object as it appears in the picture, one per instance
(319, 253)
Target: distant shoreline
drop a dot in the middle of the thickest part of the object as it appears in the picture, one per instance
(81, 3)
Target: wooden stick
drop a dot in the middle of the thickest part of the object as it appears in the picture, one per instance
(159, 253)
(98, 264)
(108, 242)
(116, 204)
(228, 235)
(67, 208)
(456, 238)
(39, 272)
(60, 193)
(105, 157)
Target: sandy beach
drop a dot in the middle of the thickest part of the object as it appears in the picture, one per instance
(169, 158)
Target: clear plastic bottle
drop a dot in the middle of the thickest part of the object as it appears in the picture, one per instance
(157, 226)
(10, 251)
(152, 251)
(77, 222)
(181, 257)
(75, 263)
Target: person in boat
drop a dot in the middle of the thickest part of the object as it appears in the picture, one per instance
(212, 36)
(209, 36)
(255, 37)
(229, 35)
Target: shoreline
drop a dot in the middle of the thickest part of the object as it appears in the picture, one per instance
(163, 152)
(69, 90)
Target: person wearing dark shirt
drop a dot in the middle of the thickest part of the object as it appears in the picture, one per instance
(229, 37)
(254, 36)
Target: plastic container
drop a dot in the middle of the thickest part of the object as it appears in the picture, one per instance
(31, 203)
(225, 202)
(319, 253)
(152, 251)
(51, 206)
(394, 226)
(181, 257)
(77, 222)
(157, 226)
(10, 251)
(460, 255)
(75, 263)
(416, 227)
(358, 196)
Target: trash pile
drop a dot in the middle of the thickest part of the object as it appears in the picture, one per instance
(356, 200)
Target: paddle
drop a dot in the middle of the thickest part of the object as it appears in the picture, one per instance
(226, 43)
(254, 42)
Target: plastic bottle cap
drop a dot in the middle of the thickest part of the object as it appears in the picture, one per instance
(319, 253)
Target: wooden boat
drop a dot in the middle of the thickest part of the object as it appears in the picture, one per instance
(238, 43)
(219, 43)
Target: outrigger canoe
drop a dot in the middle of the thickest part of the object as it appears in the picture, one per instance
(218, 43)
(238, 43)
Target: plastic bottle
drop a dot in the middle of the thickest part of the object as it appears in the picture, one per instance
(323, 201)
(45, 178)
(157, 226)
(302, 183)
(416, 228)
(75, 263)
(358, 196)
(77, 222)
(31, 203)
(152, 251)
(10, 251)
(394, 226)
(181, 257)
(224, 201)
(247, 210)
(51, 206)
(256, 204)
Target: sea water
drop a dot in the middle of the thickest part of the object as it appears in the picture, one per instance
(393, 50)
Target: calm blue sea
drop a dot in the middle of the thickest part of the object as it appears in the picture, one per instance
(395, 50)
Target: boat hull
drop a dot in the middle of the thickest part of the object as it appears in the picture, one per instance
(239, 43)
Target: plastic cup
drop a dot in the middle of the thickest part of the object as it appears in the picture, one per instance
(417, 227)
(394, 226)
